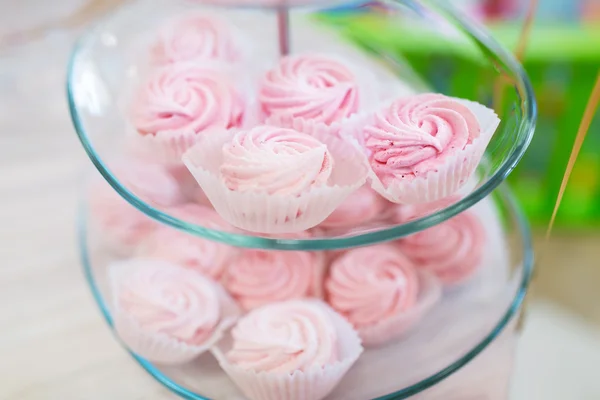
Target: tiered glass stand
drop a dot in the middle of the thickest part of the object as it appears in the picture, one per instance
(463, 347)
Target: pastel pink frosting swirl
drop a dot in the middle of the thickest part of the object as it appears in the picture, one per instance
(416, 134)
(371, 284)
(207, 257)
(118, 219)
(276, 161)
(151, 182)
(187, 98)
(362, 206)
(284, 337)
(452, 250)
(310, 86)
(260, 277)
(164, 298)
(196, 38)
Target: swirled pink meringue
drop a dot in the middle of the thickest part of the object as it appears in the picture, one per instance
(284, 337)
(414, 135)
(452, 250)
(309, 86)
(170, 300)
(207, 257)
(371, 284)
(362, 206)
(196, 38)
(256, 277)
(276, 161)
(405, 213)
(118, 220)
(187, 97)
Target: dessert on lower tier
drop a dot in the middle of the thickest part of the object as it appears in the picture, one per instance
(380, 291)
(256, 278)
(204, 256)
(166, 313)
(122, 226)
(425, 147)
(359, 209)
(294, 350)
(452, 250)
(275, 180)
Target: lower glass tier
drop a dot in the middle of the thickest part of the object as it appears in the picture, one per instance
(460, 349)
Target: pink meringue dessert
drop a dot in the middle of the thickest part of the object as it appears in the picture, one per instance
(204, 256)
(293, 350)
(452, 250)
(425, 147)
(256, 277)
(178, 104)
(275, 180)
(360, 208)
(122, 227)
(198, 38)
(166, 313)
(309, 88)
(379, 291)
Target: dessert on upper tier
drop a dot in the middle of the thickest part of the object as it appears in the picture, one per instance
(425, 147)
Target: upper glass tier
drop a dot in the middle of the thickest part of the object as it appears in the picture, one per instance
(405, 46)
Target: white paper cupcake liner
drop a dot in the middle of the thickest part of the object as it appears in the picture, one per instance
(159, 347)
(312, 384)
(392, 328)
(450, 176)
(274, 214)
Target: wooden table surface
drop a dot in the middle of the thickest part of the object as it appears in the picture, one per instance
(53, 342)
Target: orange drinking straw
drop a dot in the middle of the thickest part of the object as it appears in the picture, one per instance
(588, 116)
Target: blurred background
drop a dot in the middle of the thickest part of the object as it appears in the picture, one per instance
(53, 342)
